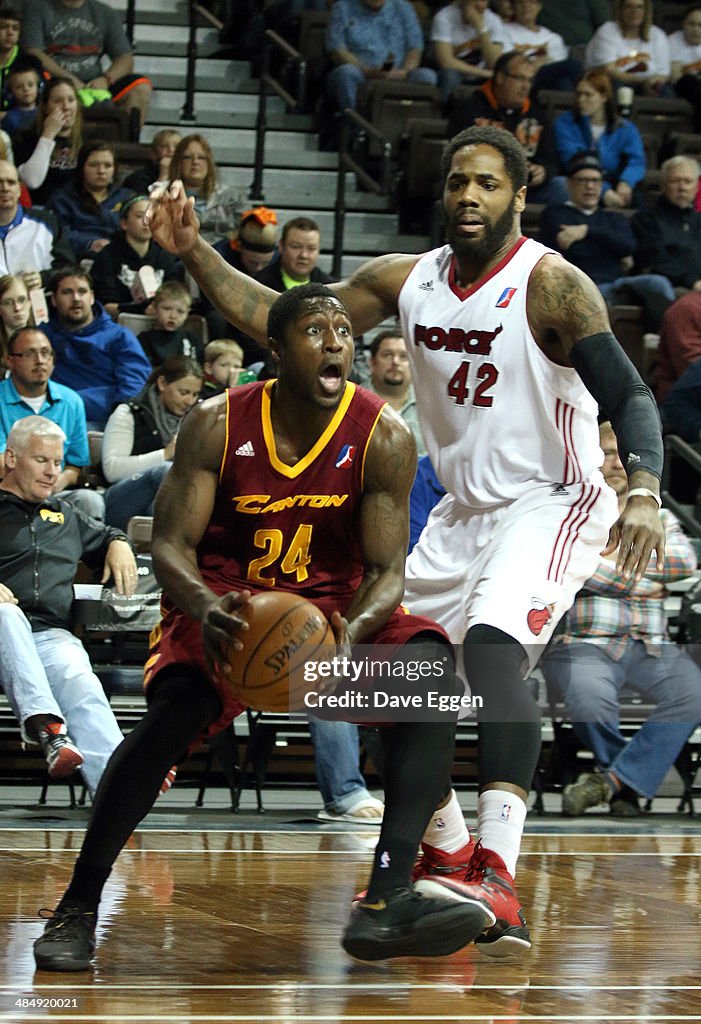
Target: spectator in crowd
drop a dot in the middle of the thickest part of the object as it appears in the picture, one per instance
(71, 38)
(546, 50)
(116, 267)
(298, 248)
(681, 410)
(602, 243)
(23, 83)
(390, 378)
(341, 784)
(668, 234)
(169, 336)
(253, 246)
(91, 203)
(504, 102)
(633, 50)
(217, 206)
(685, 55)
(98, 358)
(28, 391)
(467, 38)
(46, 153)
(44, 669)
(223, 367)
(33, 242)
(373, 39)
(15, 311)
(616, 635)
(576, 23)
(140, 436)
(426, 492)
(163, 146)
(11, 54)
(680, 343)
(595, 126)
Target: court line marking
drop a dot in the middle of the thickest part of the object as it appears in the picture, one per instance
(351, 986)
(335, 1018)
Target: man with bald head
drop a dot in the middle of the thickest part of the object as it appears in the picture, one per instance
(33, 242)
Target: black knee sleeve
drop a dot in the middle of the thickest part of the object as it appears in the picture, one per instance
(509, 720)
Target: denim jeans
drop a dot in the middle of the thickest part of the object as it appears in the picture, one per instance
(133, 496)
(591, 682)
(49, 673)
(344, 82)
(337, 755)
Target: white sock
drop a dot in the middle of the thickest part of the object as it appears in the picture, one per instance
(500, 819)
(447, 830)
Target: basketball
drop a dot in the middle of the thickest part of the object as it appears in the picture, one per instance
(284, 631)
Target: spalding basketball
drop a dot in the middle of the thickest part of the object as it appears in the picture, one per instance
(284, 631)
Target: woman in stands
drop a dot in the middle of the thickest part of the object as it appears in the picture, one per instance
(46, 153)
(633, 50)
(594, 126)
(139, 441)
(15, 311)
(217, 206)
(89, 205)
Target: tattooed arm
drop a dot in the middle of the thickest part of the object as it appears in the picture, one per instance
(183, 509)
(390, 467)
(370, 295)
(570, 322)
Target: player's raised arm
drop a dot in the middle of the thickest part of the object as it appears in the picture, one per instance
(570, 321)
(390, 467)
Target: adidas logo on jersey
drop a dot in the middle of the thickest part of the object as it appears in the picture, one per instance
(426, 286)
(558, 489)
(245, 449)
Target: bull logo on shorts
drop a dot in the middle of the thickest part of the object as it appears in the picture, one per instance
(539, 615)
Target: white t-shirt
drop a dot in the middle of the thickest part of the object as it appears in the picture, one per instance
(630, 56)
(682, 53)
(448, 27)
(538, 42)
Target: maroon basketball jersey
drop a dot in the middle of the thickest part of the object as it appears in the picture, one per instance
(294, 528)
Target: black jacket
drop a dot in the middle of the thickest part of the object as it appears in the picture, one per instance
(669, 242)
(609, 239)
(40, 547)
(115, 268)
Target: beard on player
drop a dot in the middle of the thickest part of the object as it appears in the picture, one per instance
(483, 247)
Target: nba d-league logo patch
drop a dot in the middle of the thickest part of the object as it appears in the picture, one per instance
(505, 298)
(505, 812)
(346, 456)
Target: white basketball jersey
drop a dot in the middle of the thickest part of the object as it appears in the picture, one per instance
(496, 414)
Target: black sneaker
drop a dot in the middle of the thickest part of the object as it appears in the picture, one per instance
(68, 941)
(405, 923)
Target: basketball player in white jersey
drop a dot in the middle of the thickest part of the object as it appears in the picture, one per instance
(512, 354)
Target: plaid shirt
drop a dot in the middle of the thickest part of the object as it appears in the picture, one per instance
(610, 611)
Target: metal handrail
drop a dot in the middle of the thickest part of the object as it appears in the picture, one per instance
(675, 445)
(347, 162)
(188, 111)
(270, 84)
(130, 21)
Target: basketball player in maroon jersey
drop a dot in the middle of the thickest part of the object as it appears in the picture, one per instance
(234, 516)
(511, 350)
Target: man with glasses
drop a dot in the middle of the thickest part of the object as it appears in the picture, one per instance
(601, 242)
(33, 242)
(29, 391)
(504, 102)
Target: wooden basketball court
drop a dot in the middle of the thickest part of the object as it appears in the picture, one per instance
(244, 925)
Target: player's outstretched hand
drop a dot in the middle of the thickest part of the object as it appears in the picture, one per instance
(171, 216)
(221, 628)
(637, 532)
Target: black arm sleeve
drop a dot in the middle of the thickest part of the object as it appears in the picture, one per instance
(624, 398)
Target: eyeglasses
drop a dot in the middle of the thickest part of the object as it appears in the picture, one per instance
(33, 353)
(525, 79)
(586, 181)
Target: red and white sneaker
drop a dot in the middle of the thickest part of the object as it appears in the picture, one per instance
(436, 862)
(62, 755)
(487, 882)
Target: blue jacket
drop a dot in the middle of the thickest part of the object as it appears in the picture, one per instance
(84, 226)
(102, 361)
(621, 151)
